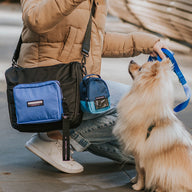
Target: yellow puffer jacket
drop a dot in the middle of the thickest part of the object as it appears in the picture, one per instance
(53, 32)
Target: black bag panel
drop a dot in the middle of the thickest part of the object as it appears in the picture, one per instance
(11, 107)
(44, 127)
(61, 72)
(69, 76)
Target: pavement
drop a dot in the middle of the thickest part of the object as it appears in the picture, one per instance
(21, 171)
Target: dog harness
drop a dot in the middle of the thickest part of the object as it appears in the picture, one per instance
(150, 128)
(180, 76)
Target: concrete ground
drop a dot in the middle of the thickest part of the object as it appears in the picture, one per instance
(21, 171)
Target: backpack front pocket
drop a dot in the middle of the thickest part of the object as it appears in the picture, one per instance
(38, 102)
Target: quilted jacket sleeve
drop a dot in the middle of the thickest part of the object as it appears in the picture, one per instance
(42, 15)
(128, 45)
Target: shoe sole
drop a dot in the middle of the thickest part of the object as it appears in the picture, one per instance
(47, 159)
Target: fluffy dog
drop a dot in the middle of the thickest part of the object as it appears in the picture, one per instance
(148, 128)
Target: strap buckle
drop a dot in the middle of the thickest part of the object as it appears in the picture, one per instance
(85, 53)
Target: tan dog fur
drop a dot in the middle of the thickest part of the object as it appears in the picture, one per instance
(164, 158)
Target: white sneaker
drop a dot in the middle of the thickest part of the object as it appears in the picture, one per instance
(51, 152)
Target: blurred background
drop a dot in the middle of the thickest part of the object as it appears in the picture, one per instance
(169, 18)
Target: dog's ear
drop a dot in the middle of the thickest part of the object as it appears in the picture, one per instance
(155, 68)
(133, 69)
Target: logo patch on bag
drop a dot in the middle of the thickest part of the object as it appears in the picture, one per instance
(35, 103)
(101, 102)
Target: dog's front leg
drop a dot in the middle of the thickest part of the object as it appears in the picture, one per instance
(140, 183)
(140, 180)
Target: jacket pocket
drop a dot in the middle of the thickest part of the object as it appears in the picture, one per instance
(68, 45)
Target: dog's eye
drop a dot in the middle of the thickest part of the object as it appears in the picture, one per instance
(140, 68)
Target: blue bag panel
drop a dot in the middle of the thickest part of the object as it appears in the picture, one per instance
(38, 102)
(97, 88)
(90, 107)
(84, 106)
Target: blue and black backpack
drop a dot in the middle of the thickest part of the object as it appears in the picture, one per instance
(94, 94)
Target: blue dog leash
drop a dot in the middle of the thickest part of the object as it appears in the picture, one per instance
(180, 76)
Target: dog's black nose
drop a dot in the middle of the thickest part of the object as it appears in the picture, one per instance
(132, 62)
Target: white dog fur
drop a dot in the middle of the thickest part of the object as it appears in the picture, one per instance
(163, 155)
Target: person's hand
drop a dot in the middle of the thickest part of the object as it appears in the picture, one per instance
(157, 49)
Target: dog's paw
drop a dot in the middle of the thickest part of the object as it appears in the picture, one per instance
(134, 180)
(138, 186)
